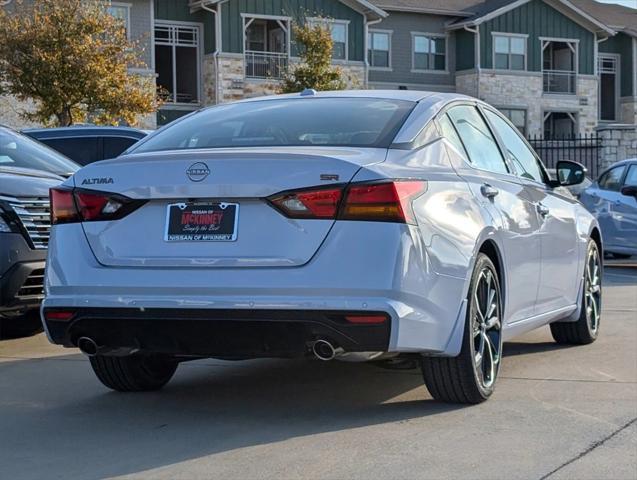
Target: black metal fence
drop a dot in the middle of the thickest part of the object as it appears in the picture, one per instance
(585, 149)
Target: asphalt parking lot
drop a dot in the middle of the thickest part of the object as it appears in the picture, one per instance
(557, 413)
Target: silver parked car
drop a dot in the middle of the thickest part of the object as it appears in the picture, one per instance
(357, 224)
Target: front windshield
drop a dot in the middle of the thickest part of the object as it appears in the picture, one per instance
(17, 150)
(322, 121)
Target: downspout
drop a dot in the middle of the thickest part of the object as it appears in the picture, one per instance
(366, 46)
(215, 53)
(476, 32)
(599, 79)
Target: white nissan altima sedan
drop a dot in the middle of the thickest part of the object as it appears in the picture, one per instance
(358, 225)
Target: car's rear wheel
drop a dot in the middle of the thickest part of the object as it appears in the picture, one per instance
(134, 373)
(470, 377)
(586, 328)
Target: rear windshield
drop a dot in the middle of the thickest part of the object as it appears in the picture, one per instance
(347, 122)
(17, 150)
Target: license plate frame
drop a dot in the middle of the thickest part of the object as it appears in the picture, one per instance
(206, 220)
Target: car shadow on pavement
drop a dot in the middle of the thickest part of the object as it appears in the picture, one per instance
(511, 349)
(69, 423)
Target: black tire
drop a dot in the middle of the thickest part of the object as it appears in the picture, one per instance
(134, 373)
(586, 329)
(25, 325)
(460, 379)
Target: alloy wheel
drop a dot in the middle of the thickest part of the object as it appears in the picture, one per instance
(486, 327)
(593, 290)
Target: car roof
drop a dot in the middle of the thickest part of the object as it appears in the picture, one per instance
(84, 131)
(407, 95)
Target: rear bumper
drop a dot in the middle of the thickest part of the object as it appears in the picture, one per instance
(218, 333)
(392, 274)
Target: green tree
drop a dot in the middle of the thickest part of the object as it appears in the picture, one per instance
(72, 59)
(315, 69)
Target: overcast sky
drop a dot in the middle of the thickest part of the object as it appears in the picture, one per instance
(627, 3)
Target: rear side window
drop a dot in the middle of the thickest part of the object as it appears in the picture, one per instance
(612, 180)
(114, 146)
(449, 132)
(81, 149)
(631, 177)
(520, 155)
(482, 148)
(347, 122)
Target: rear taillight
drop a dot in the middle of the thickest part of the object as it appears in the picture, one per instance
(63, 208)
(317, 203)
(385, 201)
(75, 205)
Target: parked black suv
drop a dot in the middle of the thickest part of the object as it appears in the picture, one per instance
(87, 144)
(27, 171)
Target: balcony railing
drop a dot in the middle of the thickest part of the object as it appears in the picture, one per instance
(560, 81)
(265, 64)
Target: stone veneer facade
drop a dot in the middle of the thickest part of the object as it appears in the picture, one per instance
(619, 142)
(524, 91)
(628, 108)
(234, 86)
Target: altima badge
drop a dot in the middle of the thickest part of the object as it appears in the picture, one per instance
(197, 172)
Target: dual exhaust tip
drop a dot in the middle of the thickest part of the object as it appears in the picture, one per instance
(87, 346)
(324, 350)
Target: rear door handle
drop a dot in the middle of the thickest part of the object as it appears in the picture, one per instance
(543, 210)
(489, 191)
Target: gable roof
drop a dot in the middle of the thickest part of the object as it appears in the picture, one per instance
(494, 8)
(604, 17)
(618, 17)
(365, 7)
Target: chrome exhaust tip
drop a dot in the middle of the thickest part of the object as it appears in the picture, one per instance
(87, 346)
(324, 350)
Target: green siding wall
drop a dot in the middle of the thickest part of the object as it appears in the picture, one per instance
(232, 22)
(623, 45)
(537, 19)
(178, 10)
(465, 50)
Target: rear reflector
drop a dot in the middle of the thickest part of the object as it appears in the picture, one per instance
(385, 201)
(60, 315)
(366, 319)
(88, 206)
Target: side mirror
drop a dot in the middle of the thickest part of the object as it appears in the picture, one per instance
(630, 191)
(570, 173)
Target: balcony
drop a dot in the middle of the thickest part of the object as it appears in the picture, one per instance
(560, 82)
(265, 65)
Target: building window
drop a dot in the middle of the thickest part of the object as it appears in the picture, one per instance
(177, 62)
(517, 116)
(559, 125)
(509, 52)
(121, 11)
(429, 52)
(608, 68)
(378, 49)
(338, 28)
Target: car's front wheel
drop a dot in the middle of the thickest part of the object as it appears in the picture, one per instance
(134, 373)
(470, 377)
(586, 328)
